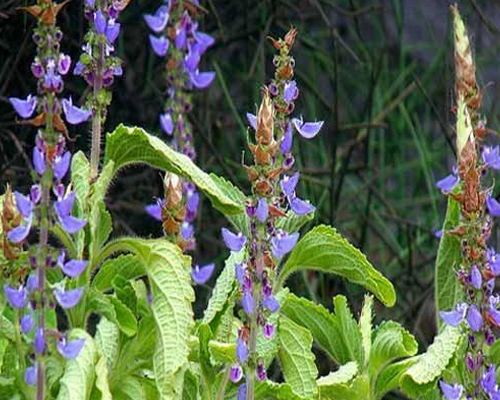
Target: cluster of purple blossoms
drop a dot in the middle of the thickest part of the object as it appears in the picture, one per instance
(31, 294)
(274, 198)
(176, 38)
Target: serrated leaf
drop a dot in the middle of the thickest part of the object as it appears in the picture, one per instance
(128, 145)
(127, 266)
(106, 339)
(101, 380)
(267, 389)
(80, 179)
(101, 227)
(357, 389)
(448, 291)
(293, 222)
(296, 358)
(348, 329)
(222, 352)
(114, 310)
(131, 389)
(343, 375)
(365, 327)
(191, 385)
(388, 378)
(325, 250)
(79, 373)
(125, 317)
(421, 376)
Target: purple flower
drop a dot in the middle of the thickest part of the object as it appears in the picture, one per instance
(268, 330)
(32, 283)
(24, 205)
(25, 108)
(20, 233)
(448, 183)
(61, 165)
(239, 273)
(112, 30)
(204, 41)
(63, 210)
(241, 350)
(307, 129)
(252, 120)
(201, 80)
(72, 268)
(37, 69)
(79, 68)
(74, 115)
(159, 44)
(290, 92)
(155, 210)
(192, 202)
(476, 280)
(27, 323)
(52, 81)
(271, 304)
(235, 373)
(493, 206)
(192, 58)
(39, 341)
(158, 21)
(287, 142)
(90, 3)
(298, 206)
(451, 392)
(64, 64)
(247, 302)
(17, 298)
(100, 22)
(242, 392)
(166, 123)
(70, 349)
(455, 316)
(30, 375)
(70, 298)
(488, 380)
(35, 193)
(491, 157)
(493, 261)
(261, 372)
(262, 210)
(282, 243)
(234, 242)
(202, 274)
(38, 161)
(438, 234)
(474, 318)
(187, 230)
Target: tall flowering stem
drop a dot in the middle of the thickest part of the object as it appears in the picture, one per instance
(98, 66)
(176, 39)
(478, 315)
(273, 195)
(28, 291)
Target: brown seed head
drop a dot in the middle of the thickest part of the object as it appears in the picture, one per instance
(172, 186)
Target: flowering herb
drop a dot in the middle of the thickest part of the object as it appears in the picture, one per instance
(478, 314)
(273, 193)
(176, 38)
(98, 66)
(29, 293)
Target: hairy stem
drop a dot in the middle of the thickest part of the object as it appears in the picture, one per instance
(95, 151)
(252, 347)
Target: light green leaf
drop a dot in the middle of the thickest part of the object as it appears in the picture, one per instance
(101, 227)
(388, 378)
(191, 385)
(421, 376)
(293, 222)
(343, 375)
(127, 266)
(358, 389)
(128, 145)
(80, 178)
(79, 373)
(101, 380)
(267, 390)
(6, 328)
(325, 250)
(365, 327)
(131, 389)
(106, 339)
(448, 291)
(114, 310)
(296, 358)
(222, 352)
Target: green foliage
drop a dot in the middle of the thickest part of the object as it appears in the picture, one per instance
(325, 250)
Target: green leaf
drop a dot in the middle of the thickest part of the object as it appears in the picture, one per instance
(448, 291)
(357, 389)
(222, 352)
(365, 327)
(170, 278)
(296, 358)
(421, 376)
(127, 266)
(391, 341)
(343, 376)
(388, 379)
(101, 380)
(191, 386)
(79, 373)
(267, 389)
(80, 178)
(293, 222)
(101, 227)
(128, 145)
(106, 339)
(325, 250)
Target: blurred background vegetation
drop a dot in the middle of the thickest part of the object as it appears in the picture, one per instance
(379, 73)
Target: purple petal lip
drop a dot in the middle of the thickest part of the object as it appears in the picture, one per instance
(201, 80)
(491, 157)
(448, 183)
(287, 142)
(456, 316)
(159, 45)
(158, 21)
(262, 210)
(39, 342)
(489, 381)
(234, 242)
(20, 233)
(271, 304)
(112, 31)
(64, 64)
(74, 268)
(241, 351)
(204, 41)
(493, 206)
(202, 274)
(283, 244)
(71, 224)
(451, 392)
(290, 90)
(38, 161)
(474, 318)
(17, 298)
(69, 298)
(289, 183)
(30, 376)
(252, 120)
(301, 207)
(166, 123)
(61, 165)
(75, 115)
(236, 373)
(192, 202)
(24, 205)
(25, 108)
(64, 207)
(27, 323)
(307, 129)
(187, 230)
(100, 22)
(248, 303)
(242, 392)
(70, 349)
(154, 210)
(476, 279)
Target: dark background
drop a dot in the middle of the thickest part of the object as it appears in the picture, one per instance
(379, 73)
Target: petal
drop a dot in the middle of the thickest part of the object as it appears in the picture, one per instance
(491, 157)
(262, 210)
(100, 22)
(71, 224)
(241, 351)
(187, 230)
(239, 273)
(451, 392)
(19, 233)
(454, 317)
(27, 323)
(158, 21)
(154, 210)
(38, 161)
(192, 59)
(493, 206)
(70, 349)
(204, 41)
(474, 318)
(192, 202)
(271, 304)
(488, 381)
(61, 165)
(287, 142)
(234, 242)
(25, 108)
(268, 330)
(24, 205)
(70, 298)
(447, 184)
(289, 91)
(289, 183)
(235, 373)
(112, 32)
(17, 297)
(252, 120)
(74, 115)
(166, 123)
(301, 207)
(201, 80)
(242, 392)
(283, 244)
(159, 45)
(475, 277)
(248, 303)
(74, 268)
(39, 342)
(202, 274)
(64, 207)
(307, 129)
(30, 375)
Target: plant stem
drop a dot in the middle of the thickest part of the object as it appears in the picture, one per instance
(252, 347)
(222, 388)
(96, 116)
